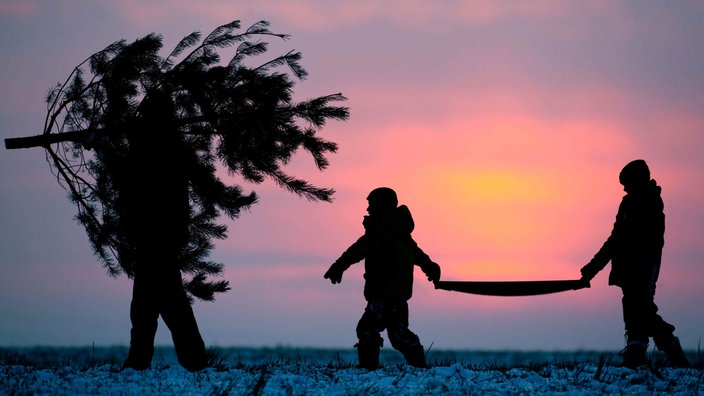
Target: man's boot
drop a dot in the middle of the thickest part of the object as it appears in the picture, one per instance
(415, 356)
(141, 349)
(634, 354)
(368, 354)
(675, 354)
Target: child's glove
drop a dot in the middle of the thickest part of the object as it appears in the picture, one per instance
(433, 272)
(588, 272)
(585, 282)
(334, 274)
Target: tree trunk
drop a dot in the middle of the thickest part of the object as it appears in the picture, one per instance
(47, 139)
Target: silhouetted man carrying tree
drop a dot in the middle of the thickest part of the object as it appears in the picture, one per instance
(138, 143)
(153, 198)
(635, 251)
(389, 254)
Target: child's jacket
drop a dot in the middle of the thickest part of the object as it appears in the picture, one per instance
(636, 241)
(390, 253)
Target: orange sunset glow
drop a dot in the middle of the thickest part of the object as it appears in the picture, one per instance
(502, 126)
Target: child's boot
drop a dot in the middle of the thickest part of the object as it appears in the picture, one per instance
(634, 354)
(368, 354)
(675, 354)
(415, 356)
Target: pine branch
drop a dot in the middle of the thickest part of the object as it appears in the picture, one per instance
(290, 59)
(222, 31)
(186, 42)
(234, 115)
(302, 188)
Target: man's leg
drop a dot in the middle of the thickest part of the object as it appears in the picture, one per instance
(144, 314)
(177, 313)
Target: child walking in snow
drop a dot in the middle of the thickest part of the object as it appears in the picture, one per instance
(389, 254)
(635, 250)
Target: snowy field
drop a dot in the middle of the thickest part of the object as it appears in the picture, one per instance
(294, 371)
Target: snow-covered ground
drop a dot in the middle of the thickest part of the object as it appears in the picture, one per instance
(291, 371)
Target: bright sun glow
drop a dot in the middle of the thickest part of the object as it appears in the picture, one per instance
(494, 185)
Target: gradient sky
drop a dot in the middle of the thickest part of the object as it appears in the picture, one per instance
(502, 125)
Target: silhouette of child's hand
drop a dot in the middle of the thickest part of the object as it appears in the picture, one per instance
(434, 273)
(585, 281)
(334, 275)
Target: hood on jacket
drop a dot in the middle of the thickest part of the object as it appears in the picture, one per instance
(649, 188)
(397, 220)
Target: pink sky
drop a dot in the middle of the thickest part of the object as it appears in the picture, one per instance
(503, 127)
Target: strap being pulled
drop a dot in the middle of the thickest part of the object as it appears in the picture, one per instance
(512, 288)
